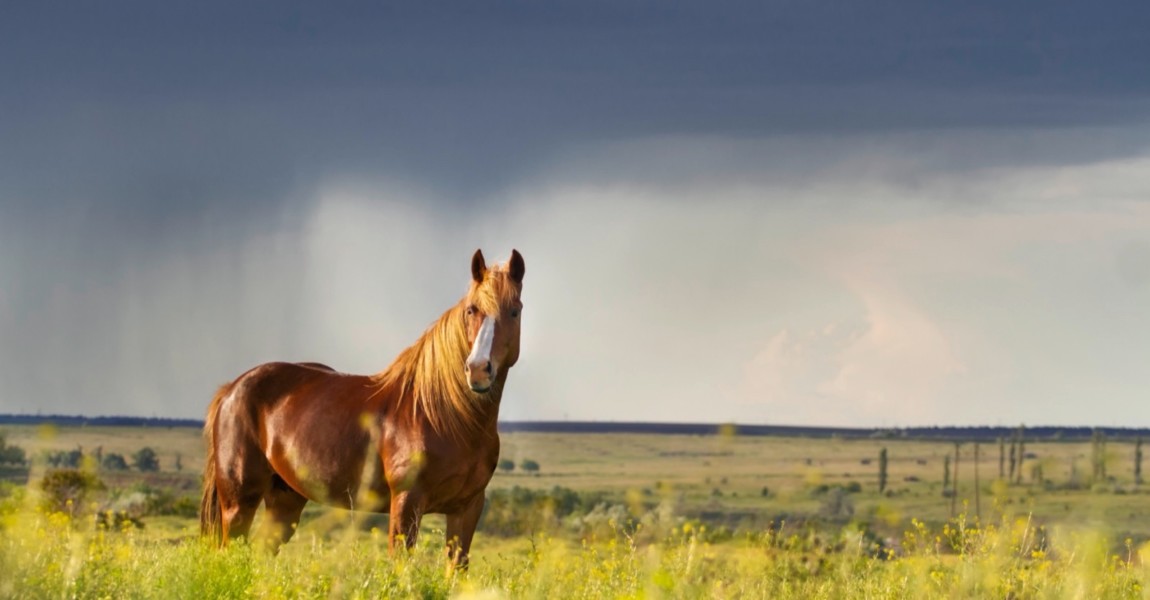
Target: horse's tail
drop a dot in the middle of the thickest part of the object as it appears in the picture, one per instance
(211, 517)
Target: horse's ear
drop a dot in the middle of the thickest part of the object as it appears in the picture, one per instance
(478, 266)
(516, 267)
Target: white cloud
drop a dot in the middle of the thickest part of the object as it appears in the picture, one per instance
(887, 369)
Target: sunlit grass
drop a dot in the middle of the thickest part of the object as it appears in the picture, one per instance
(54, 556)
(632, 528)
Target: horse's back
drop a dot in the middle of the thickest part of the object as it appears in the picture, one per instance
(282, 416)
(269, 382)
(259, 389)
(315, 365)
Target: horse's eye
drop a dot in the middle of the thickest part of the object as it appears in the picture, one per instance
(514, 313)
(470, 310)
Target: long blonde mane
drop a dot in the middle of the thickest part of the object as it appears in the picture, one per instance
(430, 371)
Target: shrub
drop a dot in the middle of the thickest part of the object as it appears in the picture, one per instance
(114, 462)
(145, 459)
(164, 502)
(117, 520)
(529, 465)
(603, 521)
(520, 511)
(506, 465)
(11, 455)
(65, 490)
(65, 460)
(837, 504)
(822, 489)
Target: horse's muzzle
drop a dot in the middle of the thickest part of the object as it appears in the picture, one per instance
(480, 376)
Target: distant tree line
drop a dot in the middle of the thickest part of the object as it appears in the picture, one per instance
(113, 421)
(144, 460)
(935, 432)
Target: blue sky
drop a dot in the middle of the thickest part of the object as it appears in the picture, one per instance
(817, 213)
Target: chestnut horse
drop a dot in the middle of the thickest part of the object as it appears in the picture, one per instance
(419, 437)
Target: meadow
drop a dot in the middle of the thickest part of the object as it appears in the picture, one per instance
(622, 515)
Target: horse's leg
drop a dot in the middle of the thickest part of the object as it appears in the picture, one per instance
(403, 518)
(461, 529)
(246, 479)
(238, 511)
(283, 509)
(243, 474)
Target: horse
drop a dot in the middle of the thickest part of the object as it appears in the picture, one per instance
(419, 437)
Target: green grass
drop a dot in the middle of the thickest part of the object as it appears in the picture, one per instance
(50, 556)
(706, 528)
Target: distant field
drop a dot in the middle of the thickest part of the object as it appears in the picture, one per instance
(722, 477)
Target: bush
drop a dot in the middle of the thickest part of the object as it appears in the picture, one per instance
(837, 504)
(145, 459)
(604, 521)
(11, 455)
(506, 465)
(65, 460)
(114, 462)
(529, 465)
(117, 520)
(521, 511)
(66, 490)
(822, 489)
(164, 502)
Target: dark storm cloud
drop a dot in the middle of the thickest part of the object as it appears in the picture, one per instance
(166, 105)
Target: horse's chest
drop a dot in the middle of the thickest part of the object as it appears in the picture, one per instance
(446, 476)
(455, 483)
(460, 475)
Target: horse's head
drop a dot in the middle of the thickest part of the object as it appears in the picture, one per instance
(491, 314)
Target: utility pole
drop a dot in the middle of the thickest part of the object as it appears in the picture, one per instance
(1001, 458)
(954, 497)
(1138, 461)
(977, 489)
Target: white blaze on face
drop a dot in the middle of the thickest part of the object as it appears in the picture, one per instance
(481, 351)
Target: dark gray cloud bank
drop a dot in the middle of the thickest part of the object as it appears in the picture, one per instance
(188, 190)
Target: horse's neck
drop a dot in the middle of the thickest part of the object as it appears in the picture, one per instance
(494, 399)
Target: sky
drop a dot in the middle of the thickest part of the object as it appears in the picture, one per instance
(809, 213)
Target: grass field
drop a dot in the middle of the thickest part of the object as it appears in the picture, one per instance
(720, 516)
